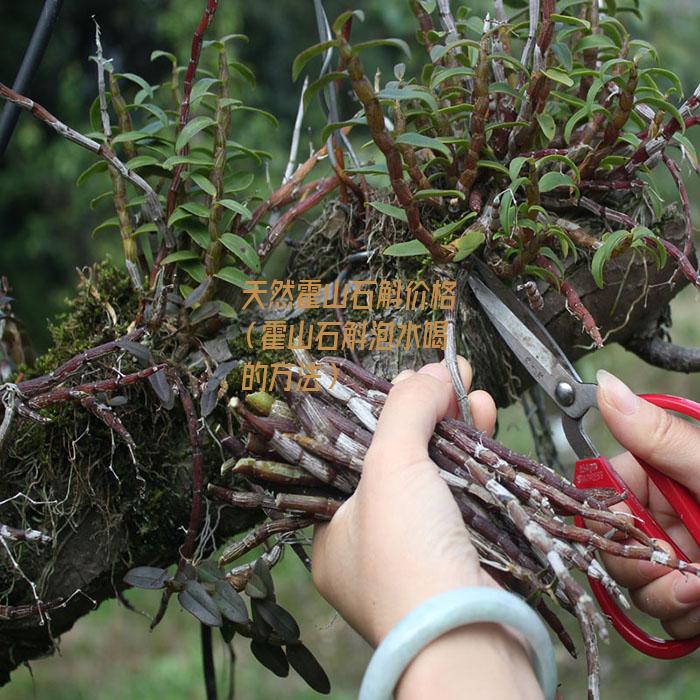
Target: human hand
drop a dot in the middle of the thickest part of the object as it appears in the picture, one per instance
(400, 539)
(671, 445)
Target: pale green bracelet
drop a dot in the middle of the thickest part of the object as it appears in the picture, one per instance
(446, 612)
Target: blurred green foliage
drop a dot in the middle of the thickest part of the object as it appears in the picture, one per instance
(45, 225)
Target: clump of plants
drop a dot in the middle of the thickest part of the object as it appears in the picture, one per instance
(527, 138)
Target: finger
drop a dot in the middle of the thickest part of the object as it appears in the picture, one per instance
(635, 573)
(405, 374)
(483, 409)
(652, 434)
(668, 597)
(688, 625)
(408, 419)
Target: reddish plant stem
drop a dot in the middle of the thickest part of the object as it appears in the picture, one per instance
(573, 302)
(290, 190)
(382, 138)
(197, 39)
(274, 235)
(478, 119)
(685, 201)
(38, 385)
(77, 393)
(194, 434)
(19, 612)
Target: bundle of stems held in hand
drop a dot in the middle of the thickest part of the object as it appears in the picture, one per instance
(304, 456)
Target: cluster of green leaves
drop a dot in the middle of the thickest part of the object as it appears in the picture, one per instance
(158, 147)
(437, 104)
(207, 595)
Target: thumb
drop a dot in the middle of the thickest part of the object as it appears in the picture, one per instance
(666, 442)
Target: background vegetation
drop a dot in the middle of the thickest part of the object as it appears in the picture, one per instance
(45, 229)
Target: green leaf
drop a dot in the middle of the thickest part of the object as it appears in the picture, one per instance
(553, 180)
(195, 269)
(558, 76)
(406, 249)
(307, 54)
(595, 41)
(136, 79)
(197, 209)
(178, 215)
(260, 112)
(174, 161)
(233, 275)
(610, 242)
(453, 226)
(390, 210)
(150, 227)
(493, 165)
(411, 138)
(164, 54)
(237, 207)
(515, 167)
(575, 21)
(408, 93)
(204, 184)
(180, 256)
(242, 250)
(666, 106)
(199, 234)
(191, 129)
(99, 167)
(112, 222)
(443, 74)
(397, 43)
(556, 158)
(313, 89)
(546, 122)
(141, 162)
(573, 122)
(467, 244)
(507, 212)
(343, 18)
(244, 71)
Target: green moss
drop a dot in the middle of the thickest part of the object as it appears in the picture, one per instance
(104, 295)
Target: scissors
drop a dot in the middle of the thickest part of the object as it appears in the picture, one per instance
(541, 356)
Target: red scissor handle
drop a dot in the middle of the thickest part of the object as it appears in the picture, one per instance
(599, 473)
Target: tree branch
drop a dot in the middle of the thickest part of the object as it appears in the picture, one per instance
(664, 354)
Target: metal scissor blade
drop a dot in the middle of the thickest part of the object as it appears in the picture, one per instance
(560, 383)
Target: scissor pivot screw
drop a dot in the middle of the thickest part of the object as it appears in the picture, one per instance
(565, 393)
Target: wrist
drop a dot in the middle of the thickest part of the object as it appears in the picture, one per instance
(487, 658)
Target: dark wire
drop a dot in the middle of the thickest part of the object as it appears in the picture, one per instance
(30, 63)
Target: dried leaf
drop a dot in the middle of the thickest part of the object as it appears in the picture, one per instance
(199, 603)
(271, 657)
(160, 385)
(230, 602)
(227, 632)
(282, 623)
(261, 629)
(208, 571)
(306, 665)
(138, 350)
(148, 577)
(263, 571)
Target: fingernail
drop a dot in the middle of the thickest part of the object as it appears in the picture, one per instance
(686, 590)
(617, 394)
